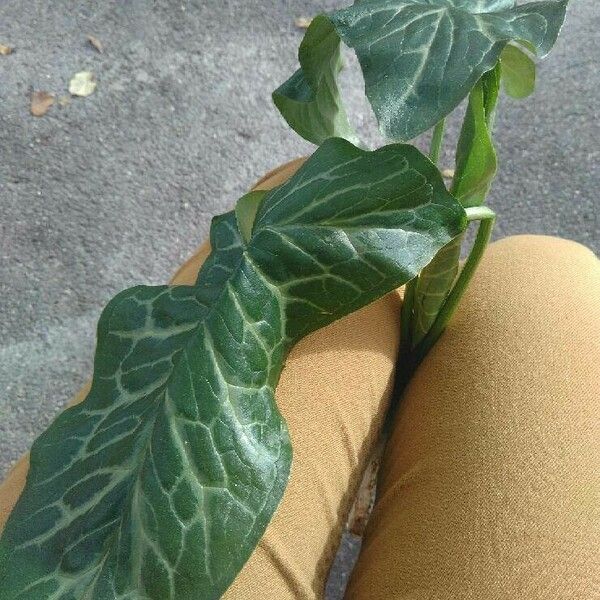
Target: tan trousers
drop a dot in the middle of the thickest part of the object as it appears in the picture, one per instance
(490, 486)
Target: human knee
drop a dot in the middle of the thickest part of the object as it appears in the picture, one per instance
(533, 275)
(544, 252)
(485, 488)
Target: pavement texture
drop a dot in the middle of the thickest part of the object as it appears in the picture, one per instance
(118, 188)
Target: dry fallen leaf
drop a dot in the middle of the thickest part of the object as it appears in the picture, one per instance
(95, 43)
(82, 84)
(302, 22)
(447, 173)
(41, 103)
(5, 50)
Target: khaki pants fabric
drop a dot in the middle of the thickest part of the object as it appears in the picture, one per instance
(490, 484)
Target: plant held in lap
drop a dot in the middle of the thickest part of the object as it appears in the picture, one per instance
(162, 481)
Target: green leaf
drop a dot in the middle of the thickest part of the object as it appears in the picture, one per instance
(160, 484)
(518, 72)
(433, 286)
(528, 46)
(310, 100)
(245, 212)
(419, 58)
(476, 161)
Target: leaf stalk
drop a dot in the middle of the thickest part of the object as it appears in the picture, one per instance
(437, 141)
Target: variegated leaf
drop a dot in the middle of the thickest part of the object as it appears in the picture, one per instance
(160, 484)
(419, 58)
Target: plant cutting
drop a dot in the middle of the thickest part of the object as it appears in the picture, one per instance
(419, 60)
(162, 481)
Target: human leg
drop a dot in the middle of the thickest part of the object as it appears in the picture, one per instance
(490, 486)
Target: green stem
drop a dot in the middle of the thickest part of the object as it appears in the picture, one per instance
(406, 318)
(486, 218)
(479, 213)
(408, 302)
(436, 142)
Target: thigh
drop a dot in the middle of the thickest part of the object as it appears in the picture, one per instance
(490, 486)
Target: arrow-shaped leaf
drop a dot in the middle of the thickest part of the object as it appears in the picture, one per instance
(421, 58)
(160, 484)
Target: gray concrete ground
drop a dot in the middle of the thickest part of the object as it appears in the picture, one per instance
(117, 188)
